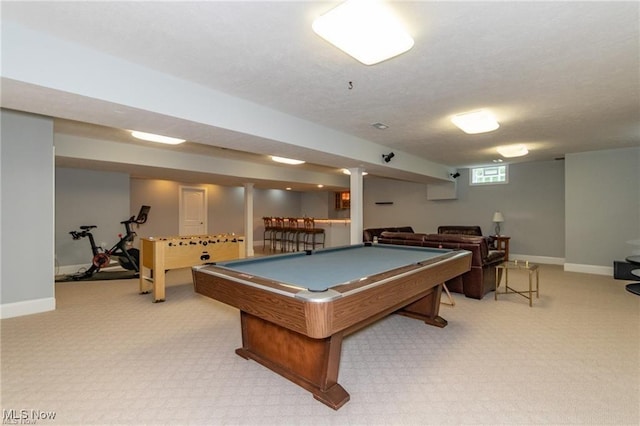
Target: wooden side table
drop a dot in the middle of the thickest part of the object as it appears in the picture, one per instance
(502, 243)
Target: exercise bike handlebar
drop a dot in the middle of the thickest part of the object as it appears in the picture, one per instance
(132, 219)
(140, 219)
(137, 220)
(77, 235)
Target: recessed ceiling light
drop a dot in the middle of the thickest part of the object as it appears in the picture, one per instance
(367, 30)
(156, 138)
(475, 122)
(511, 151)
(498, 160)
(286, 160)
(348, 172)
(320, 186)
(380, 126)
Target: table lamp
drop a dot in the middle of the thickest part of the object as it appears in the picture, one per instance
(498, 219)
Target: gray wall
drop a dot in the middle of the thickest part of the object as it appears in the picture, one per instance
(532, 204)
(86, 197)
(603, 205)
(225, 207)
(26, 171)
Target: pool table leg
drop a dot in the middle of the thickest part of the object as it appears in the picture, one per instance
(426, 308)
(310, 363)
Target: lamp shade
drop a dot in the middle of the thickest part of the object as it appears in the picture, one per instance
(498, 217)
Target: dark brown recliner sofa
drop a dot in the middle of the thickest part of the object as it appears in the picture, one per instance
(466, 230)
(480, 280)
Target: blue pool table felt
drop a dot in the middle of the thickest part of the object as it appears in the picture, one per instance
(327, 268)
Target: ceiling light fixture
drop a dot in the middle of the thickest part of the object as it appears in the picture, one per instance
(348, 172)
(475, 122)
(367, 30)
(511, 151)
(156, 138)
(286, 160)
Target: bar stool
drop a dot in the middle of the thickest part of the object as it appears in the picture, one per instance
(279, 234)
(310, 233)
(293, 230)
(269, 230)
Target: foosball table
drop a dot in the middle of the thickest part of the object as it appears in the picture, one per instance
(160, 254)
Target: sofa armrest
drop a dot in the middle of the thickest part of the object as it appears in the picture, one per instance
(402, 229)
(491, 242)
(494, 256)
(369, 233)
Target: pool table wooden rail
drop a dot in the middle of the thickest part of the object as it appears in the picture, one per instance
(374, 297)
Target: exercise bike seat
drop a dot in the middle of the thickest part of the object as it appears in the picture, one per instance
(87, 227)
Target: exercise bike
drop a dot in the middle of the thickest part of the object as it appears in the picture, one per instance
(128, 258)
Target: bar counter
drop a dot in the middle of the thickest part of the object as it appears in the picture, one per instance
(337, 232)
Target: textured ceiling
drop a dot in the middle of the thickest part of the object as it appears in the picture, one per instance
(561, 77)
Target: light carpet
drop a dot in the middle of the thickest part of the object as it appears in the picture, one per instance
(108, 355)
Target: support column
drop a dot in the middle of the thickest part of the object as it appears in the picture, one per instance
(356, 205)
(248, 219)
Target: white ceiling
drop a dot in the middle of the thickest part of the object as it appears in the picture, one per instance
(561, 77)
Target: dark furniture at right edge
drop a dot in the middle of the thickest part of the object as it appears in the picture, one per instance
(634, 287)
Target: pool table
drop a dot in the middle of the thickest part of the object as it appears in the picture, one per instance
(296, 308)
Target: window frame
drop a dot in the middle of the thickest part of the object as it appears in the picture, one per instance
(472, 174)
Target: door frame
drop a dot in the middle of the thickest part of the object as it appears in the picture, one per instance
(181, 191)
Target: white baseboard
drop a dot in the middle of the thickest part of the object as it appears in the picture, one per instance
(71, 269)
(28, 307)
(74, 269)
(538, 259)
(568, 267)
(589, 269)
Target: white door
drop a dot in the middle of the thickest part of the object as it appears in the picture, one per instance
(193, 211)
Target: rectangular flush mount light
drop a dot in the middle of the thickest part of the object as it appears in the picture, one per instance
(156, 138)
(368, 30)
(475, 122)
(286, 160)
(511, 151)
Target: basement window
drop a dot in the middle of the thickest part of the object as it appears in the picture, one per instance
(489, 175)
